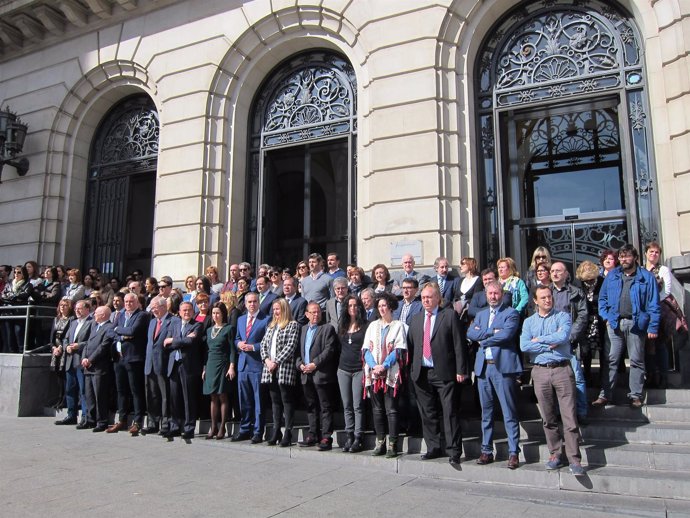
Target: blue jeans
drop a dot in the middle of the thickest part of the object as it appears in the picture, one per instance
(580, 386)
(505, 386)
(75, 389)
(619, 339)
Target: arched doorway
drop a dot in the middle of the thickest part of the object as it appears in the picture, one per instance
(301, 192)
(565, 160)
(118, 229)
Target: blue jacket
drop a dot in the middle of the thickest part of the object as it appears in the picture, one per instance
(643, 294)
(501, 338)
(251, 361)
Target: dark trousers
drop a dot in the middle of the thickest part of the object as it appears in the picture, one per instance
(433, 397)
(249, 384)
(283, 403)
(97, 398)
(385, 410)
(130, 382)
(319, 398)
(183, 396)
(75, 392)
(158, 400)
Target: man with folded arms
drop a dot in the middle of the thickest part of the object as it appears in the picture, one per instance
(546, 337)
(497, 367)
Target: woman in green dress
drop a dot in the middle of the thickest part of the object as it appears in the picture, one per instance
(219, 368)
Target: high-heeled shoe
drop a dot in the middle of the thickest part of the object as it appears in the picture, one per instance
(221, 434)
(275, 438)
(211, 434)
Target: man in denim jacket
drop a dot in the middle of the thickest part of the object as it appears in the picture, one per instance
(629, 303)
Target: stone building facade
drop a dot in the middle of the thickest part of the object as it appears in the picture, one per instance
(173, 134)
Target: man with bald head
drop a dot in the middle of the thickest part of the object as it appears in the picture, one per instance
(96, 359)
(408, 272)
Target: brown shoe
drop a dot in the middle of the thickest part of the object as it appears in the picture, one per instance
(114, 428)
(134, 429)
(600, 402)
(636, 403)
(513, 461)
(485, 458)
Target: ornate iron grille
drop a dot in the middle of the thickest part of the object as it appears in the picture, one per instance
(309, 98)
(570, 51)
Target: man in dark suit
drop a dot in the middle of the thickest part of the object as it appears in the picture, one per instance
(479, 301)
(298, 304)
(156, 368)
(266, 296)
(409, 305)
(251, 328)
(368, 299)
(96, 360)
(438, 349)
(497, 368)
(334, 305)
(131, 328)
(447, 283)
(72, 345)
(184, 371)
(317, 360)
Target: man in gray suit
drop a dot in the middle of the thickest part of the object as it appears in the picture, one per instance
(408, 272)
(155, 368)
(334, 306)
(77, 335)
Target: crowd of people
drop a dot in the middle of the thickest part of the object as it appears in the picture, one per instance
(403, 343)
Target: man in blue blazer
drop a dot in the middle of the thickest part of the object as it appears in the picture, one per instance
(251, 328)
(156, 368)
(298, 304)
(266, 296)
(131, 327)
(409, 305)
(497, 367)
(184, 371)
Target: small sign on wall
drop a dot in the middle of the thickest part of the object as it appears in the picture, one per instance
(400, 248)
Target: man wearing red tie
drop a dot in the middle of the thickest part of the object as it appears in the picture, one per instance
(438, 349)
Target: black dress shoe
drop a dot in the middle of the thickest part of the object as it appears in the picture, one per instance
(171, 434)
(287, 439)
(431, 454)
(85, 426)
(454, 461)
(149, 430)
(188, 435)
(66, 420)
(256, 439)
(100, 428)
(242, 436)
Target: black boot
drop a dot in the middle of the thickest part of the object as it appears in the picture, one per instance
(287, 439)
(348, 443)
(276, 437)
(356, 445)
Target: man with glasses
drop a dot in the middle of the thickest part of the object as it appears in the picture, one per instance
(246, 272)
(409, 305)
(629, 303)
(334, 306)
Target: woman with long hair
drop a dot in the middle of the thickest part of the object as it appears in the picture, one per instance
(351, 330)
(19, 292)
(190, 288)
(150, 289)
(385, 356)
(278, 349)
(33, 272)
(588, 274)
(219, 368)
(214, 279)
(469, 284)
(509, 278)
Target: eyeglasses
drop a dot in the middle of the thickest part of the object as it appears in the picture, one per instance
(301, 267)
(164, 285)
(540, 257)
(243, 269)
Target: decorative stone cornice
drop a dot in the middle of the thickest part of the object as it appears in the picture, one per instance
(29, 25)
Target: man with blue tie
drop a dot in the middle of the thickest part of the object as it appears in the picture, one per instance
(448, 285)
(156, 367)
(497, 368)
(251, 328)
(367, 297)
(184, 371)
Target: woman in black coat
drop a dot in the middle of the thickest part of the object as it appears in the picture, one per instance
(19, 292)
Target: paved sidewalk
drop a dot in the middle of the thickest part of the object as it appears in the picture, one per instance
(48, 470)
